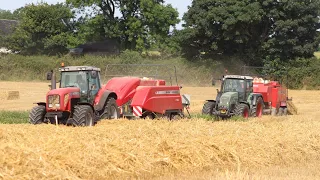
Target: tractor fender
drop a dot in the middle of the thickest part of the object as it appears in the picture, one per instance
(106, 94)
(255, 98)
(41, 103)
(244, 102)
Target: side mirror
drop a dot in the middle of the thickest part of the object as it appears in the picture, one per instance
(49, 76)
(94, 74)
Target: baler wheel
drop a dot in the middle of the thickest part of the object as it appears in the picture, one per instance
(83, 116)
(36, 115)
(283, 111)
(176, 116)
(149, 116)
(208, 108)
(242, 110)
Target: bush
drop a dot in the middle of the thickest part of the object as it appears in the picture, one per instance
(304, 73)
(130, 57)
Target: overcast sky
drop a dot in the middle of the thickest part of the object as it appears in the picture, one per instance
(181, 5)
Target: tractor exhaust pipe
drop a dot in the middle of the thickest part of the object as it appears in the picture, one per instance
(53, 81)
(52, 76)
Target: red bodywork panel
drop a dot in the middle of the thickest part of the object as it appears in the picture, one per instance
(124, 87)
(158, 98)
(272, 92)
(142, 92)
(71, 92)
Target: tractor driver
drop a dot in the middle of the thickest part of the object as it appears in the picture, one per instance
(81, 82)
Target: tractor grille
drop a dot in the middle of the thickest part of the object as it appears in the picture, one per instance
(54, 101)
(224, 100)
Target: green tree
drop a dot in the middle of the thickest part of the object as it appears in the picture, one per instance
(270, 30)
(141, 23)
(6, 14)
(293, 32)
(43, 29)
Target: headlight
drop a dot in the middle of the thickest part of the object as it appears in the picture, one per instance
(53, 101)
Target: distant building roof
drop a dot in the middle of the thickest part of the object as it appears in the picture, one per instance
(7, 26)
(108, 46)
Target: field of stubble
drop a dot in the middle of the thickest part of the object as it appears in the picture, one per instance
(266, 148)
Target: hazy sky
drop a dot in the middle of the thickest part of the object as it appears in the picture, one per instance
(181, 5)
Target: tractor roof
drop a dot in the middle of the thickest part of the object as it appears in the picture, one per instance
(79, 68)
(237, 77)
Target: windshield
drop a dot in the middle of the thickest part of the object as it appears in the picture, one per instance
(74, 79)
(234, 85)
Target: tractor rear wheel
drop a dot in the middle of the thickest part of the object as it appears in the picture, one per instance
(37, 114)
(257, 111)
(242, 110)
(83, 116)
(111, 110)
(208, 107)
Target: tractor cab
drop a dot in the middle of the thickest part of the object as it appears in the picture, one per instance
(86, 78)
(235, 84)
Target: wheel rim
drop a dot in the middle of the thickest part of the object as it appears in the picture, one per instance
(245, 113)
(149, 117)
(259, 110)
(88, 120)
(113, 113)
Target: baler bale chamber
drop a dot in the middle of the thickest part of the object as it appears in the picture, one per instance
(273, 89)
(147, 91)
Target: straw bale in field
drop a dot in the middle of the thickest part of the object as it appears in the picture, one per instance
(9, 95)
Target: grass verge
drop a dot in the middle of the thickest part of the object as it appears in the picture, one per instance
(14, 117)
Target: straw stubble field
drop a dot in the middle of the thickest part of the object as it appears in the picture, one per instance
(266, 148)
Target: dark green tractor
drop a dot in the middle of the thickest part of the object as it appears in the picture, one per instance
(235, 98)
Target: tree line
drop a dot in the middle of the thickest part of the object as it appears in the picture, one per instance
(273, 33)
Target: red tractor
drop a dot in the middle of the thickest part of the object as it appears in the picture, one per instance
(81, 100)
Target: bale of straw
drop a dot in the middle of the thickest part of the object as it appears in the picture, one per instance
(9, 95)
(292, 109)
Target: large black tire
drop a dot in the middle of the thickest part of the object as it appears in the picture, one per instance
(208, 108)
(111, 110)
(242, 110)
(83, 116)
(37, 114)
(257, 110)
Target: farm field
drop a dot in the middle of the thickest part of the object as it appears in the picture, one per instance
(266, 148)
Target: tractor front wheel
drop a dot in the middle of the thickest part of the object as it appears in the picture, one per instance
(37, 114)
(242, 110)
(111, 110)
(83, 116)
(208, 108)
